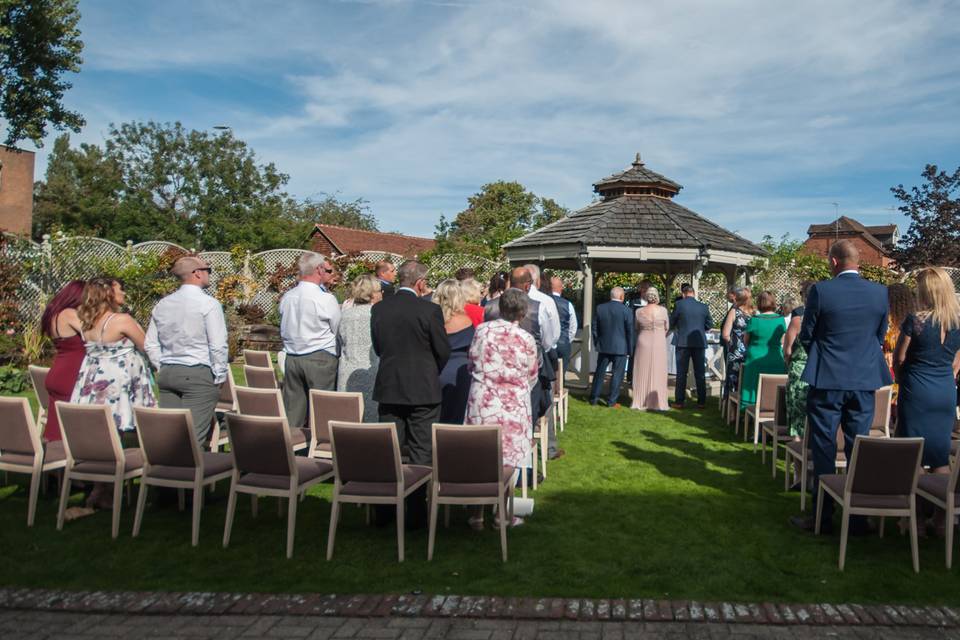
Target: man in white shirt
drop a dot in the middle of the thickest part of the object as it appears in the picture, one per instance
(549, 318)
(309, 317)
(187, 342)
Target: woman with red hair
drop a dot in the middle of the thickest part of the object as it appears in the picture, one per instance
(62, 324)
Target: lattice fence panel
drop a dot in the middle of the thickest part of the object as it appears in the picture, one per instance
(446, 265)
(156, 247)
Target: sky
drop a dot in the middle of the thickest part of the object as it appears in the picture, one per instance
(767, 113)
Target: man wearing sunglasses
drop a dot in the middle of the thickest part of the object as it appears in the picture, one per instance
(309, 317)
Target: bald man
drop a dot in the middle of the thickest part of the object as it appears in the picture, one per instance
(613, 341)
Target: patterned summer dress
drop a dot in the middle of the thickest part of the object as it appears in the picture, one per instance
(114, 373)
(796, 388)
(736, 350)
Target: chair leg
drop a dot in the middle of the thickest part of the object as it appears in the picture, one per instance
(844, 531)
(35, 481)
(544, 449)
(117, 504)
(64, 495)
(138, 514)
(332, 533)
(915, 551)
(523, 483)
(535, 466)
(231, 510)
(786, 470)
(431, 537)
(949, 536)
(803, 485)
(291, 522)
(763, 447)
(400, 529)
(503, 526)
(816, 528)
(197, 508)
(253, 505)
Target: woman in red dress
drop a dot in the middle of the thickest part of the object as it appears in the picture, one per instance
(61, 323)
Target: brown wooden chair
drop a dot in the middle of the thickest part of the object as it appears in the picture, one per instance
(468, 469)
(268, 403)
(881, 481)
(93, 453)
(260, 377)
(764, 410)
(264, 464)
(226, 403)
(367, 470)
(23, 451)
(172, 458)
(254, 358)
(341, 406)
(942, 490)
(38, 377)
(777, 430)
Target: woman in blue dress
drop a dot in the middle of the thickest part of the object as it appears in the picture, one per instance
(926, 360)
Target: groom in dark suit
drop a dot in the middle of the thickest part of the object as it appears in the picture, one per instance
(690, 322)
(844, 323)
(614, 341)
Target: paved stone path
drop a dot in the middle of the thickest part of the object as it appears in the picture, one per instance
(37, 625)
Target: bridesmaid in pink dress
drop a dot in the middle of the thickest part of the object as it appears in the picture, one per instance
(61, 323)
(650, 359)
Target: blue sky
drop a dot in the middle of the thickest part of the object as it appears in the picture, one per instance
(766, 112)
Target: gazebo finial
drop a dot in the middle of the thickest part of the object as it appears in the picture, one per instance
(638, 162)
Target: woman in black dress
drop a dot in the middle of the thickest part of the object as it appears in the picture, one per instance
(455, 376)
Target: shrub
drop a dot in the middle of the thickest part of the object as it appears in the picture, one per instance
(12, 379)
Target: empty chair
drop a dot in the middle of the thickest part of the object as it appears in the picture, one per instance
(255, 358)
(766, 406)
(264, 464)
(38, 377)
(22, 450)
(941, 490)
(881, 481)
(882, 409)
(561, 399)
(341, 406)
(777, 429)
(93, 453)
(172, 458)
(268, 403)
(367, 470)
(260, 377)
(797, 454)
(468, 469)
(227, 402)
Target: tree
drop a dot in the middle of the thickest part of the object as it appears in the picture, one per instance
(500, 212)
(330, 210)
(39, 43)
(934, 209)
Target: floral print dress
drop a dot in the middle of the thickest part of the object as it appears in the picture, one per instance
(503, 369)
(115, 374)
(736, 350)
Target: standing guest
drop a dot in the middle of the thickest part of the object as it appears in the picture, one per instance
(187, 343)
(113, 372)
(763, 338)
(613, 340)
(61, 324)
(503, 368)
(309, 318)
(357, 366)
(498, 284)
(903, 302)
(568, 321)
(454, 377)
(796, 358)
(650, 355)
(472, 294)
(732, 300)
(549, 319)
(408, 335)
(464, 273)
(731, 335)
(386, 273)
(638, 300)
(844, 323)
(927, 360)
(690, 322)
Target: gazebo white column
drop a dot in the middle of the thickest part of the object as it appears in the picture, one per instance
(586, 330)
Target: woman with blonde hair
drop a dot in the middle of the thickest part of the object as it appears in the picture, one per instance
(926, 362)
(455, 376)
(650, 357)
(358, 363)
(472, 295)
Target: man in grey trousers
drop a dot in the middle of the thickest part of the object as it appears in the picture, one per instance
(187, 342)
(309, 318)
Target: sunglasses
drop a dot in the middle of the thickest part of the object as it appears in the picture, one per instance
(325, 270)
(207, 269)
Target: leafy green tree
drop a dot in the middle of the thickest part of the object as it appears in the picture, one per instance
(39, 43)
(328, 209)
(500, 212)
(934, 209)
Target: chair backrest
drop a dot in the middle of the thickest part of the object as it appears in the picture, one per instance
(881, 410)
(167, 437)
(780, 416)
(261, 444)
(884, 466)
(560, 375)
(365, 452)
(88, 432)
(18, 431)
(767, 391)
(467, 454)
(227, 395)
(255, 358)
(38, 376)
(260, 377)
(259, 402)
(342, 406)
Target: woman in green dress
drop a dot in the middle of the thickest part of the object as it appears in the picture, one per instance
(764, 339)
(796, 358)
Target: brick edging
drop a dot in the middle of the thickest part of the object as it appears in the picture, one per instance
(453, 606)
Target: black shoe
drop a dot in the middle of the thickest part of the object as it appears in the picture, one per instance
(809, 523)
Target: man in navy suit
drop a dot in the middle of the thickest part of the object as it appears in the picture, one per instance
(844, 323)
(690, 322)
(613, 342)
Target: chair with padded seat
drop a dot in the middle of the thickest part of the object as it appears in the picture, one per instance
(942, 490)
(254, 358)
(226, 403)
(23, 451)
(260, 377)
(172, 458)
(38, 378)
(268, 403)
(94, 453)
(765, 408)
(881, 481)
(368, 470)
(341, 406)
(264, 464)
(777, 430)
(468, 469)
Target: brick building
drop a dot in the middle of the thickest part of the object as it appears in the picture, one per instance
(16, 190)
(875, 243)
(331, 240)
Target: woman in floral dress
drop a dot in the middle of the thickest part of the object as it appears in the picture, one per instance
(503, 368)
(796, 358)
(732, 335)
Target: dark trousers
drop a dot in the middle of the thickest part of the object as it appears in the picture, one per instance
(827, 409)
(317, 370)
(183, 387)
(684, 355)
(415, 433)
(619, 362)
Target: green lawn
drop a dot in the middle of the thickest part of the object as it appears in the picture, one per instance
(660, 506)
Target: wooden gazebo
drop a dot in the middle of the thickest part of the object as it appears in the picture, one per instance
(635, 227)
